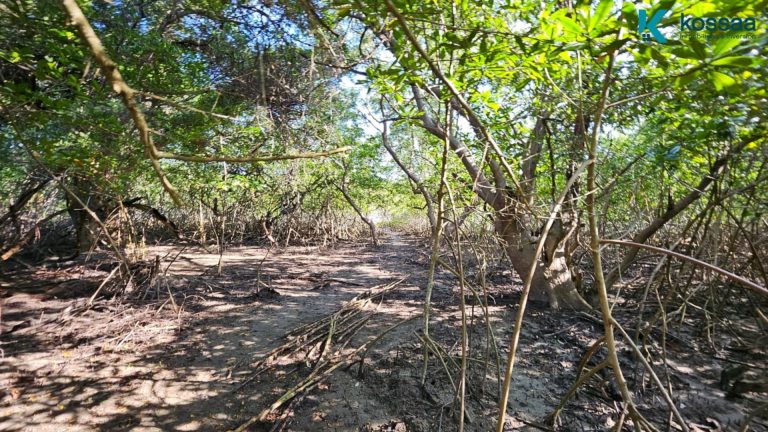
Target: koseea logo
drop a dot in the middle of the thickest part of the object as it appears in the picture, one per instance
(644, 24)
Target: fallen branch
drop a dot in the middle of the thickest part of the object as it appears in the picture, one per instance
(316, 331)
(327, 362)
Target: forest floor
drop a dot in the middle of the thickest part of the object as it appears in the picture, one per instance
(180, 356)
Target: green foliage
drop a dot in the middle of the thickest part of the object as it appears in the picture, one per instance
(232, 79)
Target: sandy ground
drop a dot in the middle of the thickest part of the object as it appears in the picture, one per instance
(175, 357)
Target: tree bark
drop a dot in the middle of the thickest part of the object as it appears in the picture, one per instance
(552, 279)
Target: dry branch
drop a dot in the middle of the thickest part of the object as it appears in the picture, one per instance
(316, 331)
(340, 325)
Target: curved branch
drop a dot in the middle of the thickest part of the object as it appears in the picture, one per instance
(128, 95)
(246, 159)
(24, 197)
(744, 281)
(413, 177)
(120, 87)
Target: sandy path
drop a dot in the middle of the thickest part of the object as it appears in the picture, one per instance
(170, 379)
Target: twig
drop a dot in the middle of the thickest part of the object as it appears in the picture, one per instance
(655, 377)
(96, 293)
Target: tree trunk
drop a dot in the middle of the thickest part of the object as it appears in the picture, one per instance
(553, 282)
(368, 221)
(86, 229)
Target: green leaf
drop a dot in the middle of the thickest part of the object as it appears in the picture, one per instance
(601, 11)
(685, 52)
(629, 12)
(734, 61)
(724, 45)
(699, 49)
(659, 57)
(721, 80)
(574, 46)
(701, 9)
(453, 38)
(665, 4)
(569, 24)
(684, 80)
(614, 46)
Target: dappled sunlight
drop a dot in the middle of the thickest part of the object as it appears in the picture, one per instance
(185, 377)
(383, 216)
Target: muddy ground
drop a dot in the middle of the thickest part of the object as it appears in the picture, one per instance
(179, 355)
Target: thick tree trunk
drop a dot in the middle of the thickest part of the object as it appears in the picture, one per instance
(553, 282)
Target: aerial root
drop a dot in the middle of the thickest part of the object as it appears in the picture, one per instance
(580, 379)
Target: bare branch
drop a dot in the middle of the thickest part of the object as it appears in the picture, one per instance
(746, 282)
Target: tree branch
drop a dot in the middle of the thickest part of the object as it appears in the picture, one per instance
(471, 115)
(641, 237)
(120, 87)
(744, 281)
(128, 96)
(415, 179)
(482, 186)
(246, 159)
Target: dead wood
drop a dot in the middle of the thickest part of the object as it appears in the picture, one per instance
(310, 334)
(336, 328)
(13, 250)
(23, 199)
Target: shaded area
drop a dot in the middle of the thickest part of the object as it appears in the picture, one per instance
(175, 356)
